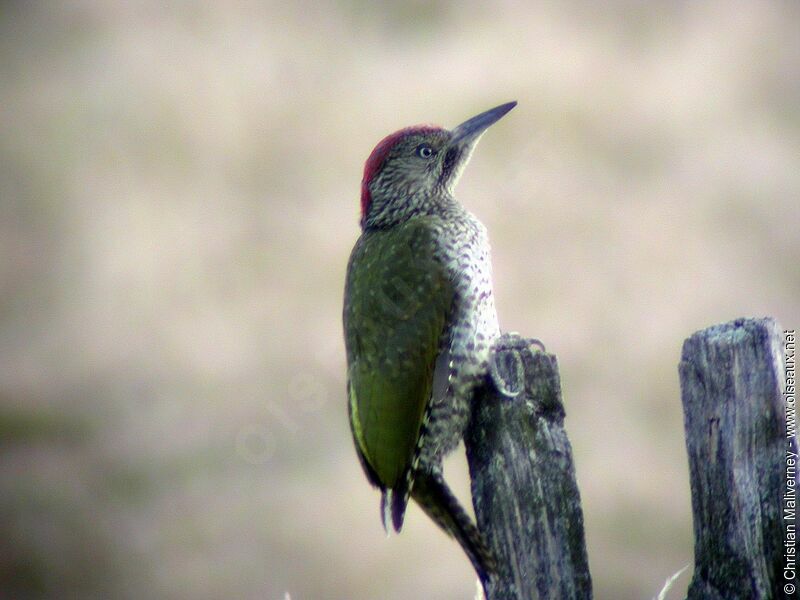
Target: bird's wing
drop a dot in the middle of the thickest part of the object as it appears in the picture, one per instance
(398, 297)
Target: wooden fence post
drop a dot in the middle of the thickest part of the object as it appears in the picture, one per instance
(523, 479)
(739, 453)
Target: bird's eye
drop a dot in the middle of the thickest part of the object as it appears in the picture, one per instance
(425, 151)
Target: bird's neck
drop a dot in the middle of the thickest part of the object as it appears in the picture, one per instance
(396, 211)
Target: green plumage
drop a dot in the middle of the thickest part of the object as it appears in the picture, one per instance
(419, 323)
(397, 300)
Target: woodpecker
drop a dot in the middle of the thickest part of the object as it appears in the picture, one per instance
(419, 322)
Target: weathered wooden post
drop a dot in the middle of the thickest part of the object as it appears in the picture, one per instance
(742, 461)
(523, 479)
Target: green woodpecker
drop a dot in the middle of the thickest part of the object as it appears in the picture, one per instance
(419, 322)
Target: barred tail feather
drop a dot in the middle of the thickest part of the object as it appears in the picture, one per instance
(386, 509)
(393, 508)
(432, 494)
(399, 503)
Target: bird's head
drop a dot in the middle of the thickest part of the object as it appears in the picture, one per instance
(414, 167)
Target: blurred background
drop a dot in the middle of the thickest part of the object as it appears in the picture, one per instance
(179, 195)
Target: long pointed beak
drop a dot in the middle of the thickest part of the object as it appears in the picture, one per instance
(471, 130)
